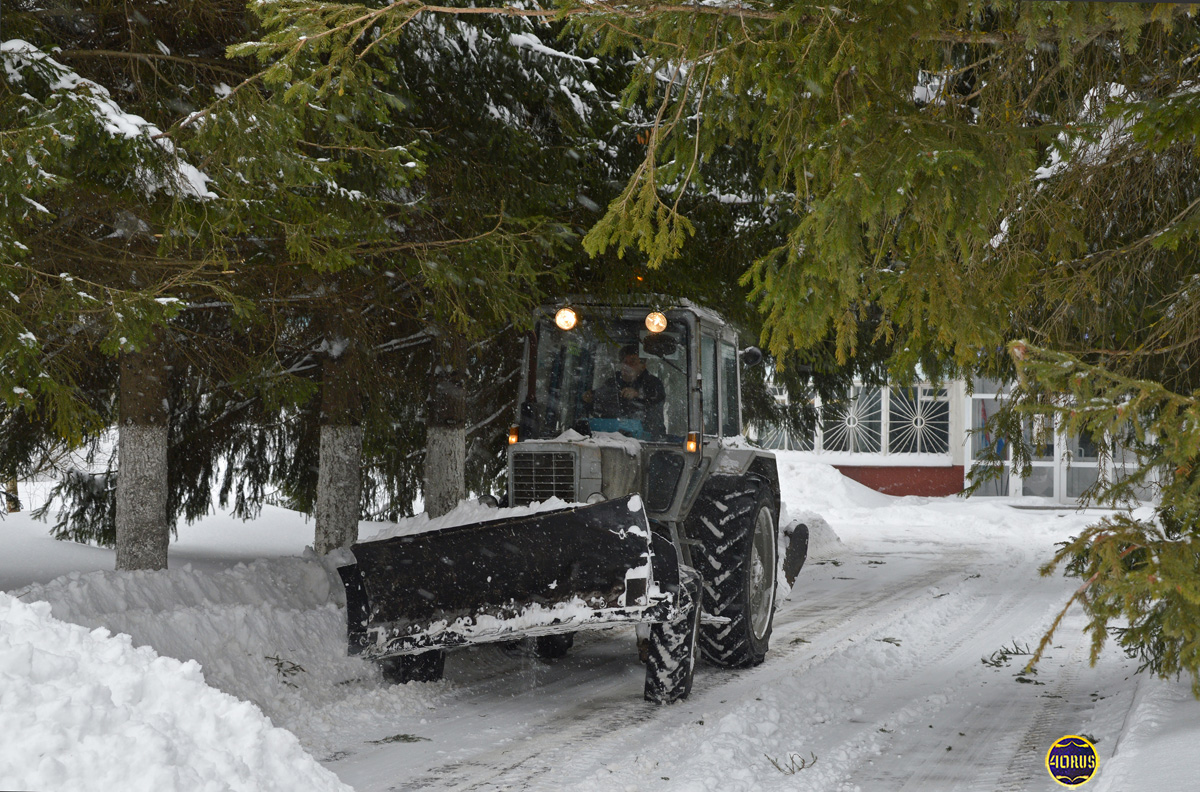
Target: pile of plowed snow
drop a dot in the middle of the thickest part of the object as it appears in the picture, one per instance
(272, 632)
(823, 542)
(82, 709)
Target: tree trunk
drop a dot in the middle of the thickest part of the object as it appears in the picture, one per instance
(10, 496)
(446, 429)
(339, 472)
(142, 530)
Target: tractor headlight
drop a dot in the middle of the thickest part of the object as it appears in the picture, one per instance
(656, 322)
(566, 318)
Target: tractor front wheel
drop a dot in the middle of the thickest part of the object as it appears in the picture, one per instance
(671, 655)
(424, 667)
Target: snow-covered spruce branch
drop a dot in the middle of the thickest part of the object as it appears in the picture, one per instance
(395, 344)
(476, 427)
(207, 111)
(180, 179)
(433, 244)
(176, 281)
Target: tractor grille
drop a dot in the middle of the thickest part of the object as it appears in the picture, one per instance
(537, 476)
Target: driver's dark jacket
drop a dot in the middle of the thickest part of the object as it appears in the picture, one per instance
(647, 406)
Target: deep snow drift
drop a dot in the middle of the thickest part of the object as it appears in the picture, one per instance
(881, 640)
(84, 710)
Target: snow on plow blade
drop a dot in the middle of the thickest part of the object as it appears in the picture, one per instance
(548, 572)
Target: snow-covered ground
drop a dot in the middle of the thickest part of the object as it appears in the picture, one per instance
(895, 664)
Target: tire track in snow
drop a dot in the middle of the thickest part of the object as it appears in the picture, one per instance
(838, 621)
(992, 732)
(515, 766)
(967, 738)
(919, 686)
(1046, 724)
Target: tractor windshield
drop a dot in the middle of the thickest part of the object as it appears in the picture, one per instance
(607, 375)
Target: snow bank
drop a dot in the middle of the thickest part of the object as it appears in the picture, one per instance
(808, 491)
(805, 484)
(860, 516)
(272, 632)
(85, 710)
(1157, 731)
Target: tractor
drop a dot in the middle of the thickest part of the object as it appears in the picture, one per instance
(632, 499)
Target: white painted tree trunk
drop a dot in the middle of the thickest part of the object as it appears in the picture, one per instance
(445, 468)
(339, 487)
(142, 534)
(142, 529)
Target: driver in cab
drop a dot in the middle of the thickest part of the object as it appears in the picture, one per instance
(631, 392)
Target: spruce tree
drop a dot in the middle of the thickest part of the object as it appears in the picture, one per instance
(89, 184)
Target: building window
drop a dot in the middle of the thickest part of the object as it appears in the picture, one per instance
(855, 425)
(918, 421)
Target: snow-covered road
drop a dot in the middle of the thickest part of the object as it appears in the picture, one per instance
(876, 670)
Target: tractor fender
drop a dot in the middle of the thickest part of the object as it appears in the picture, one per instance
(741, 464)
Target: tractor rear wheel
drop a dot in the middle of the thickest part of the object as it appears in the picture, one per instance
(738, 531)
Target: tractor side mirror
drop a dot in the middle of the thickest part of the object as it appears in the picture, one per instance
(659, 345)
(751, 356)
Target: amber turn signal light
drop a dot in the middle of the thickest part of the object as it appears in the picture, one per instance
(693, 442)
(513, 435)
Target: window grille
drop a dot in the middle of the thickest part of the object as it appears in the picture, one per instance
(854, 425)
(918, 421)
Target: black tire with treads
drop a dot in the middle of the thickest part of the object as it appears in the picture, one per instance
(671, 659)
(551, 647)
(424, 667)
(725, 519)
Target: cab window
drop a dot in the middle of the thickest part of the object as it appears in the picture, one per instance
(731, 422)
(708, 374)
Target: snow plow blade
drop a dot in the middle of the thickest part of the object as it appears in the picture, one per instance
(548, 572)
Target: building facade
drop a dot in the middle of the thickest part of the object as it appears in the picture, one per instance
(923, 440)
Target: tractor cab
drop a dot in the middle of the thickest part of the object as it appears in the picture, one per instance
(618, 400)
